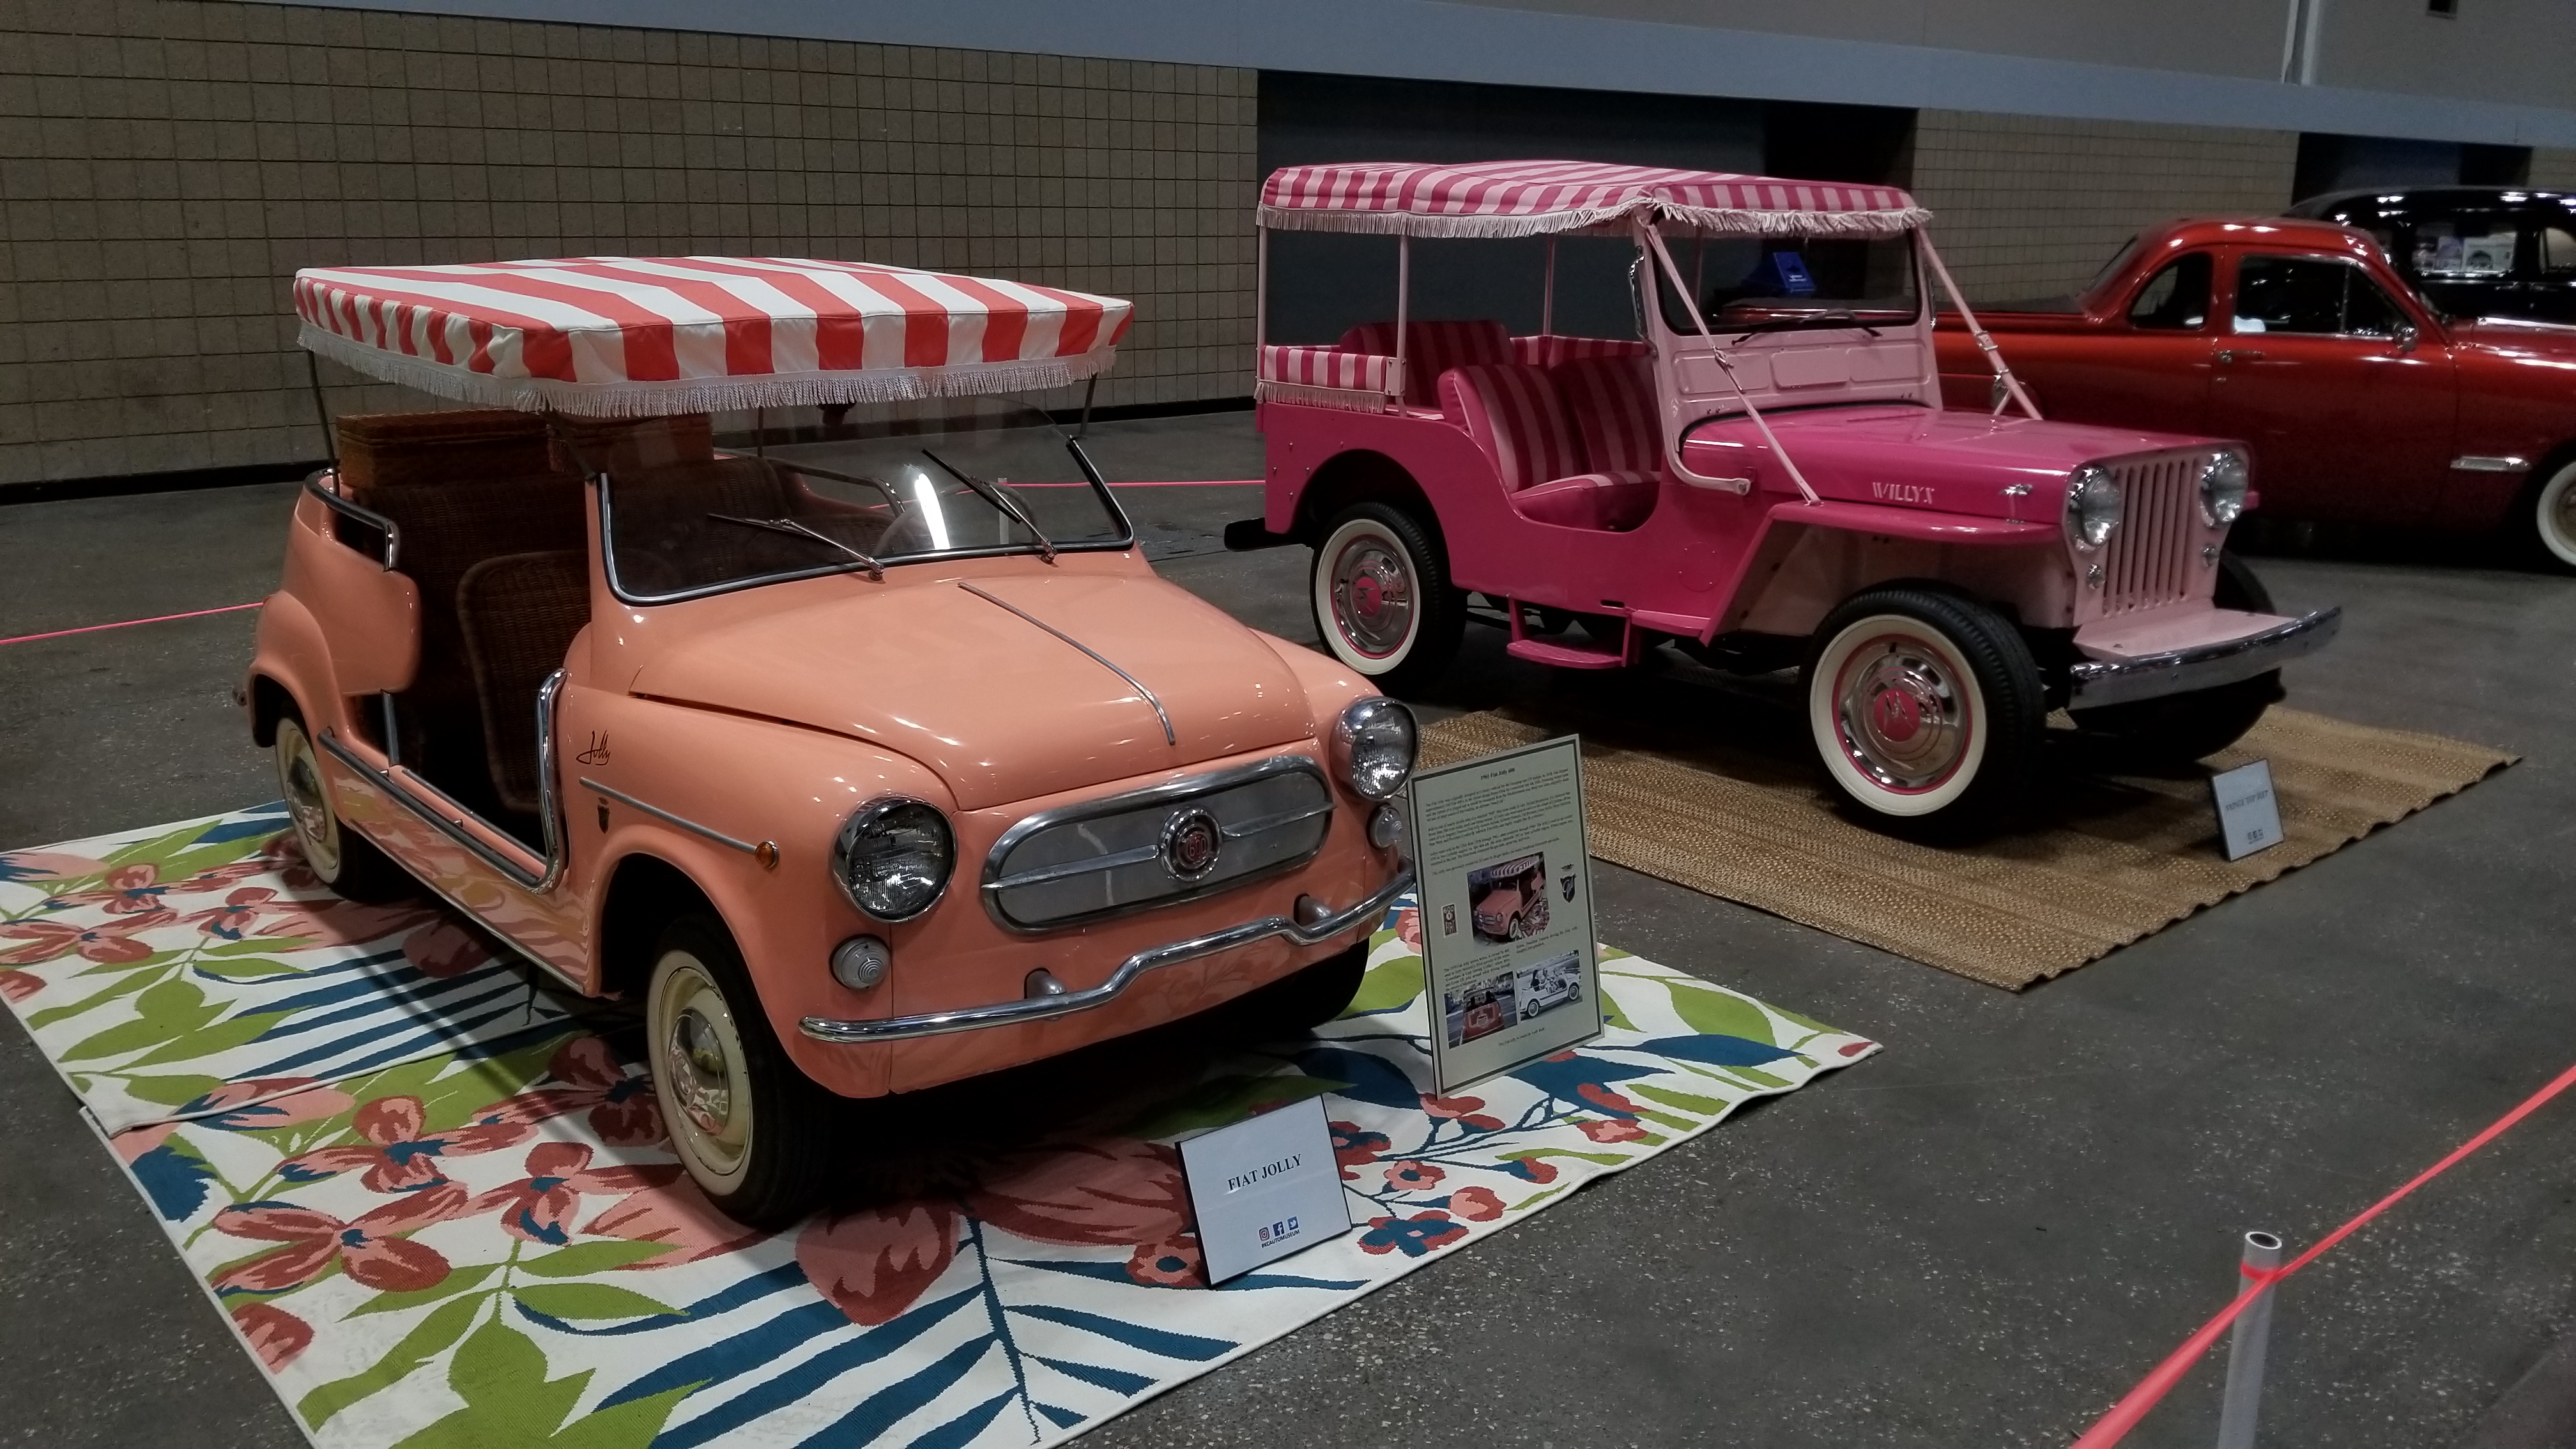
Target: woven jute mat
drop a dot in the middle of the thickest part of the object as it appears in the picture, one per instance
(2113, 859)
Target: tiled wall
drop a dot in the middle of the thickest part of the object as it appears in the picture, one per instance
(2553, 170)
(2027, 206)
(166, 165)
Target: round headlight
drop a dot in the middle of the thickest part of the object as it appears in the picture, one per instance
(893, 858)
(2222, 488)
(2092, 507)
(1373, 747)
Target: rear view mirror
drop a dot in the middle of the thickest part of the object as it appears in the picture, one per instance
(2406, 336)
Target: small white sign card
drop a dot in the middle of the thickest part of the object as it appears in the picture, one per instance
(1508, 954)
(1264, 1188)
(2249, 814)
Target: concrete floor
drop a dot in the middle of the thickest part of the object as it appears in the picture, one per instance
(1981, 1237)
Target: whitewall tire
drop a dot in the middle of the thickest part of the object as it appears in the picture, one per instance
(753, 1131)
(339, 857)
(1924, 706)
(2553, 517)
(1382, 600)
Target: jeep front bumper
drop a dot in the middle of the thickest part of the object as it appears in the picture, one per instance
(2117, 675)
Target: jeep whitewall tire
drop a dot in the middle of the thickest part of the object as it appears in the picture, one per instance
(1924, 707)
(1382, 599)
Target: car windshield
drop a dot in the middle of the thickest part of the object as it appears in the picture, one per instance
(854, 490)
(1769, 284)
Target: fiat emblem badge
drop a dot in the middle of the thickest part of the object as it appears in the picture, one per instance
(1191, 840)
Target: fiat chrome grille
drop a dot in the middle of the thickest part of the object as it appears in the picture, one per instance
(2148, 562)
(1154, 847)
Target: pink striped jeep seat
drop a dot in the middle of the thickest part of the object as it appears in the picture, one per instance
(1515, 415)
(1549, 349)
(1613, 403)
(1432, 348)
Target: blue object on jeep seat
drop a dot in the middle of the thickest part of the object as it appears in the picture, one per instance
(1786, 274)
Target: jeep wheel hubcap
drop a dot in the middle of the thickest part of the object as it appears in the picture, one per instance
(1373, 596)
(1901, 719)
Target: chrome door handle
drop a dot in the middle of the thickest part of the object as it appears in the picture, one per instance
(2227, 355)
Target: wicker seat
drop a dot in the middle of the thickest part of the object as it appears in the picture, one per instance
(462, 487)
(519, 614)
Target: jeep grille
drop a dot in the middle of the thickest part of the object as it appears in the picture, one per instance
(1107, 857)
(2149, 560)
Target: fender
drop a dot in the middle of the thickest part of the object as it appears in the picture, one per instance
(291, 651)
(1811, 557)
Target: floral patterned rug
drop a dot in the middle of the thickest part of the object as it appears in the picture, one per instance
(487, 1243)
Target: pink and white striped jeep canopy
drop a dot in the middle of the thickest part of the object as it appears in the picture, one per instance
(644, 336)
(1531, 198)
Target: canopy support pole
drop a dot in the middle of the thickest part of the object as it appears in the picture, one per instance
(1090, 385)
(1547, 293)
(1403, 303)
(1726, 369)
(321, 410)
(2009, 385)
(1260, 294)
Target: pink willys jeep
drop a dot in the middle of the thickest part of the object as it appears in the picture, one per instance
(1762, 474)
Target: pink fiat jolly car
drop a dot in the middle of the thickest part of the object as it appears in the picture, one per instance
(1759, 470)
(872, 760)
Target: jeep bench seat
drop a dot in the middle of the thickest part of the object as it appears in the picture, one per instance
(1589, 465)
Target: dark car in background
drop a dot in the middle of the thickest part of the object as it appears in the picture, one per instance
(2473, 251)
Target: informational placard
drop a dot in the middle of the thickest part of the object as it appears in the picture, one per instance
(2249, 814)
(1265, 1188)
(1508, 954)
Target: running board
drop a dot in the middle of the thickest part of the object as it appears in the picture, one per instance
(1565, 656)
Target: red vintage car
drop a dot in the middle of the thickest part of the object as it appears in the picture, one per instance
(2361, 401)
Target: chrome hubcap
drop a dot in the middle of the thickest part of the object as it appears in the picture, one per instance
(1373, 596)
(1901, 718)
(304, 795)
(701, 1080)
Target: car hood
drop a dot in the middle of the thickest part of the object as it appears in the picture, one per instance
(993, 683)
(1948, 460)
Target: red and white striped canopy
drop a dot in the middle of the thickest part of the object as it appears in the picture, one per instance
(646, 336)
(1531, 198)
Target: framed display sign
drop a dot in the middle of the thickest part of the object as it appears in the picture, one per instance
(1508, 952)
(1265, 1188)
(2249, 814)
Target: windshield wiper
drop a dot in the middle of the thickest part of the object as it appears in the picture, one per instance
(1803, 319)
(1000, 500)
(876, 570)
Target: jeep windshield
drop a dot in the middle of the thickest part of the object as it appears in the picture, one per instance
(1748, 284)
(856, 490)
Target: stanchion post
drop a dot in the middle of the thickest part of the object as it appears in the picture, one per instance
(2245, 1349)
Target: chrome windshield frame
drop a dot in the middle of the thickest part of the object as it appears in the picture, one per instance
(603, 486)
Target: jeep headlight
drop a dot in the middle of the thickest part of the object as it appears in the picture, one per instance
(2092, 507)
(893, 858)
(1373, 747)
(2223, 485)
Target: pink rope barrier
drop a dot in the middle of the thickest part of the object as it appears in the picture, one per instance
(2133, 1406)
(130, 623)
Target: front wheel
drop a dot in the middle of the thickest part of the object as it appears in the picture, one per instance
(1925, 707)
(753, 1131)
(2553, 518)
(1382, 598)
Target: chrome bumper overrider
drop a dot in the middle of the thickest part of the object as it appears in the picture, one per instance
(1043, 1008)
(2096, 682)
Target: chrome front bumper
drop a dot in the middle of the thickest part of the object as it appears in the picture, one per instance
(2096, 682)
(1044, 1008)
